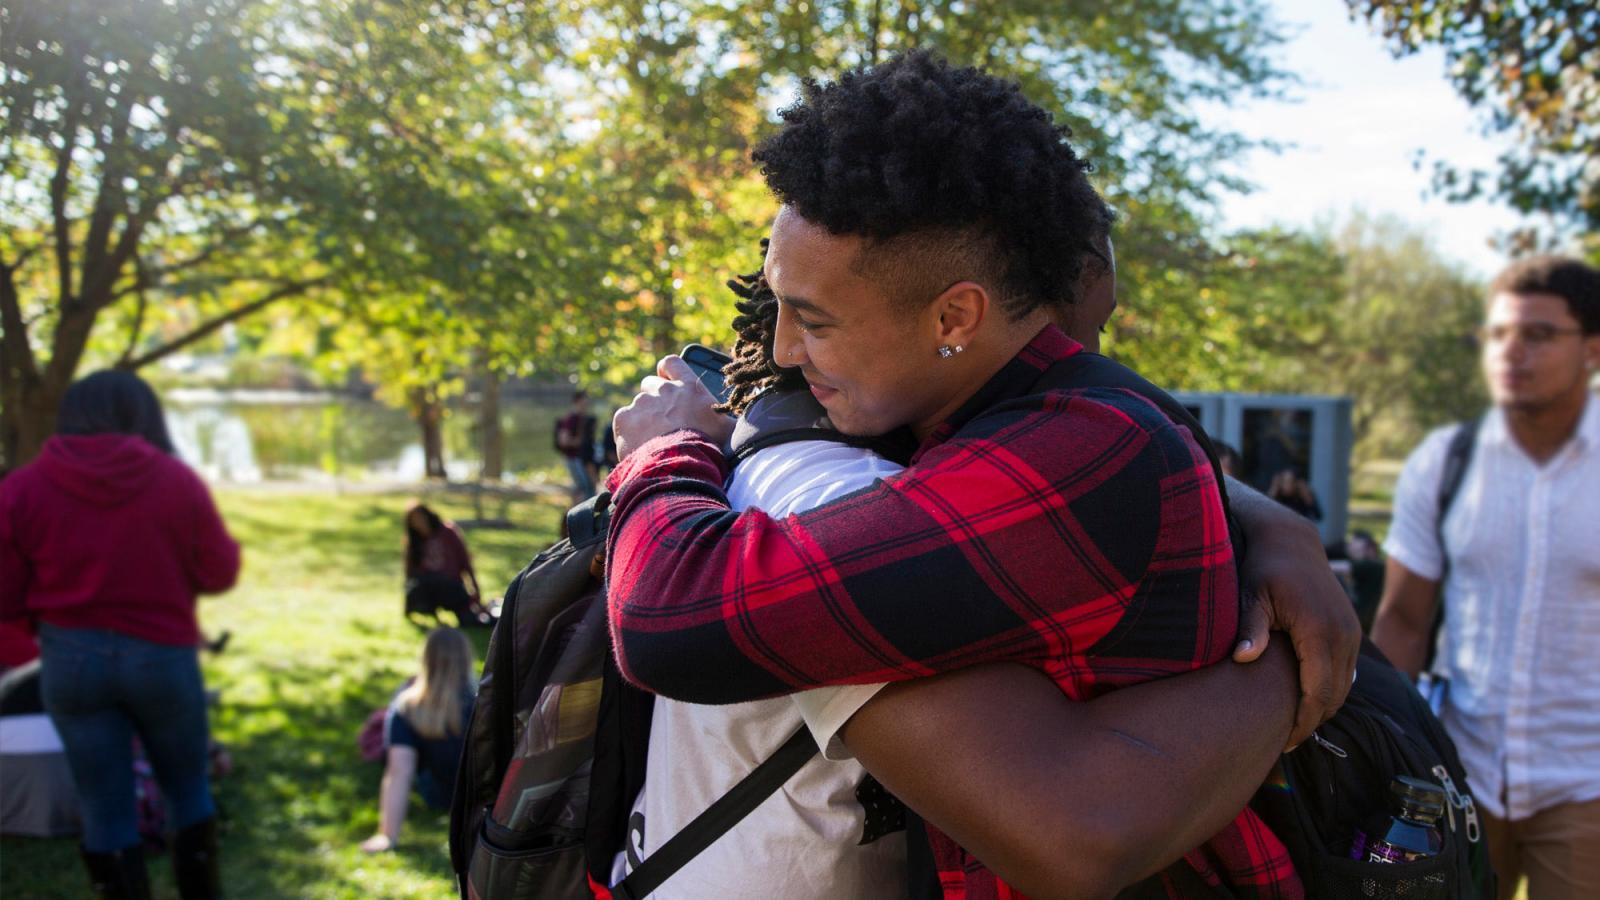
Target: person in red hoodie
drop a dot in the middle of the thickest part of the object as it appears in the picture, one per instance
(105, 541)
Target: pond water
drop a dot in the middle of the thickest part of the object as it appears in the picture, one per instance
(253, 436)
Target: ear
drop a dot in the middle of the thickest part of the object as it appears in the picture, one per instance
(1591, 352)
(963, 307)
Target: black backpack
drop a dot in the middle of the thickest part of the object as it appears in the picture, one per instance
(1337, 785)
(1338, 782)
(555, 750)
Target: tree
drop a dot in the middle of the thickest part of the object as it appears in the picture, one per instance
(562, 187)
(1256, 312)
(1535, 66)
(1404, 347)
(1365, 308)
(125, 124)
(679, 92)
(175, 166)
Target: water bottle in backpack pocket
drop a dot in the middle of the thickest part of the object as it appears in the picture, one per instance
(1375, 805)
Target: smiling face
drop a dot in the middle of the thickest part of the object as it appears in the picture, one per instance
(1534, 356)
(871, 362)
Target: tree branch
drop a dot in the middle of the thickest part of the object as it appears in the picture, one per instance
(18, 354)
(155, 274)
(140, 282)
(58, 206)
(95, 278)
(22, 257)
(212, 325)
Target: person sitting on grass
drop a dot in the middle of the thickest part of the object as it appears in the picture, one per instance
(439, 571)
(422, 734)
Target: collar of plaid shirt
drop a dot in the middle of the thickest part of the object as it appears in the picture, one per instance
(711, 606)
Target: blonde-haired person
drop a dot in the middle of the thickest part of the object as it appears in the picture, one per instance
(423, 732)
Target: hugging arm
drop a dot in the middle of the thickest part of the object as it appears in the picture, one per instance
(1070, 799)
(929, 570)
(1288, 586)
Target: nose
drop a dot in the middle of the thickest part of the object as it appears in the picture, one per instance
(788, 343)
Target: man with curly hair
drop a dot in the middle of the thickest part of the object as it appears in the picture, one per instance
(934, 225)
(1512, 562)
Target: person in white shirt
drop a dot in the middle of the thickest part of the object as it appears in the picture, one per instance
(1521, 576)
(815, 837)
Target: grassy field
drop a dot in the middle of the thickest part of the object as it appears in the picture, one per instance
(318, 642)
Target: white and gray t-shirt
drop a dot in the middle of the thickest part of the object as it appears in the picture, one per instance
(803, 842)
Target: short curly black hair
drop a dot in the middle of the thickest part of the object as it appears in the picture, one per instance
(949, 172)
(1570, 279)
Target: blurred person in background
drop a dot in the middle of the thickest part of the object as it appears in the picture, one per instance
(439, 573)
(105, 541)
(575, 442)
(1515, 568)
(423, 732)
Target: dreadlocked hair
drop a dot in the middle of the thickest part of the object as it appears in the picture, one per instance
(753, 370)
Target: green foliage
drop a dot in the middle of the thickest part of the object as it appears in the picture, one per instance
(1406, 351)
(551, 189)
(1247, 315)
(1534, 65)
(680, 92)
(1366, 309)
(318, 642)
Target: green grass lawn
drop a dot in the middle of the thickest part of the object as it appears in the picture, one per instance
(318, 642)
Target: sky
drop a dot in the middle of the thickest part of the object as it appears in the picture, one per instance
(1356, 124)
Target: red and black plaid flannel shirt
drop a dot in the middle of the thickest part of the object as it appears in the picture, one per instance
(1080, 532)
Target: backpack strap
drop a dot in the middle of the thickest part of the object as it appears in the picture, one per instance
(782, 417)
(714, 822)
(1457, 459)
(590, 520)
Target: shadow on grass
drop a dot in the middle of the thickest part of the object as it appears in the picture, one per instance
(300, 781)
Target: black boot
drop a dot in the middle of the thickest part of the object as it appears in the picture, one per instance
(194, 862)
(119, 875)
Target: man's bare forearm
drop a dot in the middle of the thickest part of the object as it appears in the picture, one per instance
(1079, 799)
(1404, 622)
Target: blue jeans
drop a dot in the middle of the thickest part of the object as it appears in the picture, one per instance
(101, 688)
(582, 481)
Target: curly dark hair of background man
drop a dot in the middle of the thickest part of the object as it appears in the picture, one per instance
(950, 173)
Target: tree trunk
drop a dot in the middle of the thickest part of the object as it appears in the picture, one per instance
(30, 393)
(491, 436)
(429, 413)
(28, 420)
(664, 331)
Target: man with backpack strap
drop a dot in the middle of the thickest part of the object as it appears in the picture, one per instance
(1495, 529)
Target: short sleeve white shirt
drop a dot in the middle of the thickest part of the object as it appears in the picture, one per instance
(1522, 600)
(804, 841)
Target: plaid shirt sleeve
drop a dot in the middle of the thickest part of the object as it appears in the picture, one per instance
(1042, 531)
